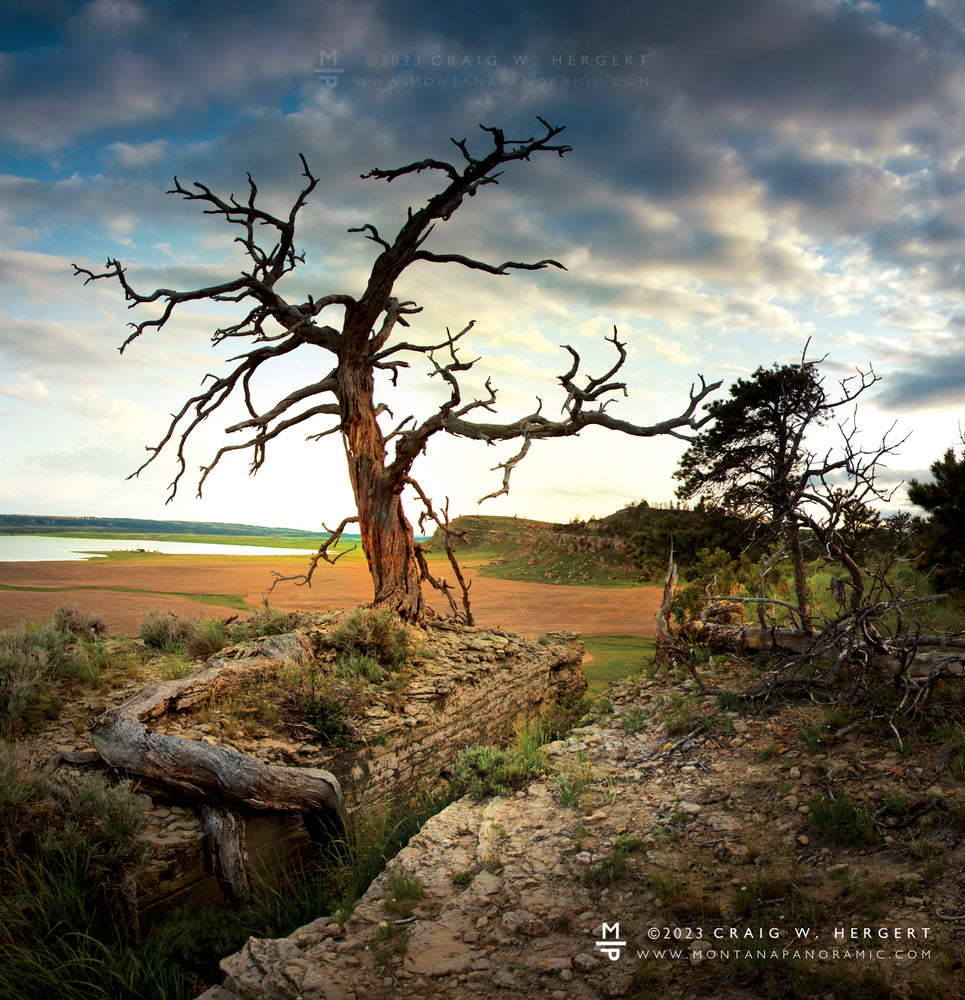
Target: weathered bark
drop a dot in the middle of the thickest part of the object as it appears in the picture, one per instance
(664, 639)
(750, 638)
(800, 577)
(224, 832)
(388, 539)
(204, 770)
(223, 780)
(838, 549)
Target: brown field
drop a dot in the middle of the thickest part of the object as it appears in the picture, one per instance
(121, 590)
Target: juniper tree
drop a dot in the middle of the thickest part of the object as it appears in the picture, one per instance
(943, 498)
(757, 458)
(363, 339)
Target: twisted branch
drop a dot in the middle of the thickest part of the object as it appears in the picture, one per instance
(448, 534)
(301, 579)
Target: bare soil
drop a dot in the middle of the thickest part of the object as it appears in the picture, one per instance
(121, 591)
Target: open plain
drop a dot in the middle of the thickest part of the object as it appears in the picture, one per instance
(121, 588)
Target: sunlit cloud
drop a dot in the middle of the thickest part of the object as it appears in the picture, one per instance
(791, 171)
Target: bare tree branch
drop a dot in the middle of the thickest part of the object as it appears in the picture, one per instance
(448, 534)
(507, 468)
(478, 265)
(301, 579)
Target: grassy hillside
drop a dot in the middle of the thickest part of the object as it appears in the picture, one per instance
(175, 531)
(516, 548)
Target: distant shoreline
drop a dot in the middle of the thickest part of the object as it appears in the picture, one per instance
(121, 527)
(281, 540)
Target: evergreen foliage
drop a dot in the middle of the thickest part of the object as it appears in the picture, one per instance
(944, 500)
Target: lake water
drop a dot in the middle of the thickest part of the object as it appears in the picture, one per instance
(48, 548)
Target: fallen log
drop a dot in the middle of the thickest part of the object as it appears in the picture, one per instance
(209, 770)
(909, 663)
(225, 782)
(749, 638)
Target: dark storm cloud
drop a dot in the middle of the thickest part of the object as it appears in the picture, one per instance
(759, 119)
(117, 63)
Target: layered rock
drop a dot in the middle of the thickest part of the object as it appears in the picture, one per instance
(467, 686)
(656, 836)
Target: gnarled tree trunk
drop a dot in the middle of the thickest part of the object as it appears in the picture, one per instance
(388, 539)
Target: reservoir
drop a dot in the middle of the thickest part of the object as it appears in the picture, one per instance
(50, 548)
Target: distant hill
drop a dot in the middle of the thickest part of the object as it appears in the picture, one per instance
(596, 552)
(52, 524)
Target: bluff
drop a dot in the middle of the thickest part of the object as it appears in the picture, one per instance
(465, 686)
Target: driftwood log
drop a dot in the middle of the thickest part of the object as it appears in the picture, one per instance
(907, 661)
(225, 782)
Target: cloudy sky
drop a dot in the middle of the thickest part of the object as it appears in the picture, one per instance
(744, 177)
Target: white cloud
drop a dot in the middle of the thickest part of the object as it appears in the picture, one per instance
(29, 389)
(121, 416)
(137, 155)
(671, 351)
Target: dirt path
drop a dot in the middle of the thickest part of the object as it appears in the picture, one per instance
(529, 608)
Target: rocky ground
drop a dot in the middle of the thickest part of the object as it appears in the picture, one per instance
(695, 833)
(691, 832)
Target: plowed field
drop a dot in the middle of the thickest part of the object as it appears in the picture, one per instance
(122, 590)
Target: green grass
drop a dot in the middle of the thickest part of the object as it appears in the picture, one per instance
(614, 657)
(573, 782)
(68, 929)
(234, 601)
(614, 867)
(404, 893)
(487, 770)
(844, 821)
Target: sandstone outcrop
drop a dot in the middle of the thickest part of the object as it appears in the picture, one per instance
(685, 841)
(466, 686)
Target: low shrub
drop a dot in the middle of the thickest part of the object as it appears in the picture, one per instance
(355, 665)
(378, 635)
(323, 701)
(265, 623)
(70, 621)
(34, 664)
(163, 631)
(166, 632)
(204, 638)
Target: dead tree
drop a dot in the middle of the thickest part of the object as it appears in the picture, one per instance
(875, 653)
(363, 344)
(663, 631)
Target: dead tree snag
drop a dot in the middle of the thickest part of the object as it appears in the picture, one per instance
(362, 343)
